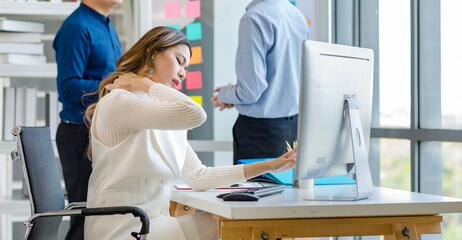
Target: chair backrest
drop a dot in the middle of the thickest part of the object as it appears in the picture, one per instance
(42, 179)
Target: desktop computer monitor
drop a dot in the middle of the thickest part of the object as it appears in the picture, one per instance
(335, 107)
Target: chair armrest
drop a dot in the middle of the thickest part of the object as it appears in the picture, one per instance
(77, 212)
(137, 212)
(76, 205)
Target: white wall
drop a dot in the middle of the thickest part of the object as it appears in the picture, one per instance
(318, 12)
(227, 14)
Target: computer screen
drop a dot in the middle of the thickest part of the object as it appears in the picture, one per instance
(335, 106)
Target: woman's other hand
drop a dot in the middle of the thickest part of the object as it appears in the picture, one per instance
(284, 162)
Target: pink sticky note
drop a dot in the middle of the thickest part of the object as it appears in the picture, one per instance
(172, 9)
(193, 9)
(193, 80)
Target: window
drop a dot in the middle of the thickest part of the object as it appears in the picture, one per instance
(394, 63)
(451, 83)
(416, 141)
(395, 164)
(452, 187)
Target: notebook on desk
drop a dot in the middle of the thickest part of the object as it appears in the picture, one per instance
(286, 177)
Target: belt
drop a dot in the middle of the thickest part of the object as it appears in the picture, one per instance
(71, 122)
(280, 118)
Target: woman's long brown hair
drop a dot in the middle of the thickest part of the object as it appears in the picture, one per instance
(135, 59)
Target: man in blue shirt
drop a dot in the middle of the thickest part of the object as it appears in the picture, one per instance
(87, 48)
(266, 94)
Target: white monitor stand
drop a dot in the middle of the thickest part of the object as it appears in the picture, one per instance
(363, 187)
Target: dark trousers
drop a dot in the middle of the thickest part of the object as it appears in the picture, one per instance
(72, 143)
(263, 137)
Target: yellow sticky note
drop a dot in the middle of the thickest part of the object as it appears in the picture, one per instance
(196, 55)
(197, 99)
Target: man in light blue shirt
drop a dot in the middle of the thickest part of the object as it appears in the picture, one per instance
(266, 94)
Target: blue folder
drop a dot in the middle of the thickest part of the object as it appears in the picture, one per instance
(286, 177)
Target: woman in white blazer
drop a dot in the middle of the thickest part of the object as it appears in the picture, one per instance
(138, 143)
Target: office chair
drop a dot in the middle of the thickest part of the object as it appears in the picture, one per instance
(43, 183)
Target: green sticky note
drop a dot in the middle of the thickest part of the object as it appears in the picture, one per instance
(194, 31)
(176, 26)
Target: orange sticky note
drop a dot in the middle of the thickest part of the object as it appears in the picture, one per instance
(172, 9)
(197, 99)
(194, 80)
(196, 55)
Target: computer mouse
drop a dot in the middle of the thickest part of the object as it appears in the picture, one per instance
(241, 197)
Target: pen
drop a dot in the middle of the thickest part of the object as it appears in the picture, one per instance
(289, 148)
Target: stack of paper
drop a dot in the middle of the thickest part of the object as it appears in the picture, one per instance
(20, 42)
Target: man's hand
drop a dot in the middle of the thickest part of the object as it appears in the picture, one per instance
(217, 101)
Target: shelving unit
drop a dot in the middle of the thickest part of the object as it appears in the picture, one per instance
(43, 11)
(36, 11)
(28, 11)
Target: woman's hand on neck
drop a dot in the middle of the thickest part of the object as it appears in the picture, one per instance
(131, 82)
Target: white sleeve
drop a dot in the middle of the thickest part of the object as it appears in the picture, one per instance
(200, 177)
(166, 109)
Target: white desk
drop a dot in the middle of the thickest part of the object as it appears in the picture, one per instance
(388, 212)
